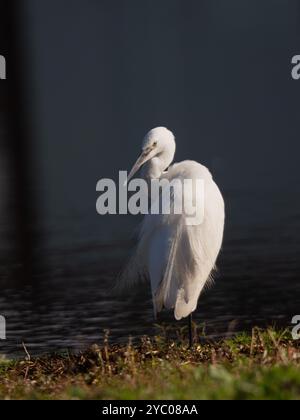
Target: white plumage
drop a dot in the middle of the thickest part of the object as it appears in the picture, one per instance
(177, 258)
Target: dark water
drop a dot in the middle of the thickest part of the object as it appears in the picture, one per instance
(68, 303)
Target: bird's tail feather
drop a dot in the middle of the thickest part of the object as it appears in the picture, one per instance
(188, 270)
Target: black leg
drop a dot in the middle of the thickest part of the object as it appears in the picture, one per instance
(191, 338)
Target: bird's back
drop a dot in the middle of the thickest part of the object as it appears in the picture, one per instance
(179, 258)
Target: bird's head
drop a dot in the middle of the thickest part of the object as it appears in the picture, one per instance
(158, 142)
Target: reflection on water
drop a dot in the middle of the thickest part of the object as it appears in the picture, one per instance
(69, 303)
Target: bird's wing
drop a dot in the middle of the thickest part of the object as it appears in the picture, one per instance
(178, 258)
(189, 258)
(170, 252)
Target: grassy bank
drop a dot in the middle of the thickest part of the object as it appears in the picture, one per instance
(262, 365)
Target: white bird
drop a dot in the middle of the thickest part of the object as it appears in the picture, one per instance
(176, 257)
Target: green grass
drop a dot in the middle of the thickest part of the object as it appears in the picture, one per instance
(262, 365)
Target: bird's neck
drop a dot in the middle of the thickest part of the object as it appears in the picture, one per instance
(153, 169)
(157, 165)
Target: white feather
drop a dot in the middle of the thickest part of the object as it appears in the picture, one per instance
(177, 258)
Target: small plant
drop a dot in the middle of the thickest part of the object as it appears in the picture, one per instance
(261, 365)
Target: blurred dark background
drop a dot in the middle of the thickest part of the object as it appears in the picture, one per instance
(85, 81)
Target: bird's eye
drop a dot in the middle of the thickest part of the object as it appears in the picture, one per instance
(155, 144)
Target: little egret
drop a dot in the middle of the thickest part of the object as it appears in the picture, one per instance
(176, 257)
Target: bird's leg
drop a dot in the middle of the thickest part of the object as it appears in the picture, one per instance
(191, 338)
